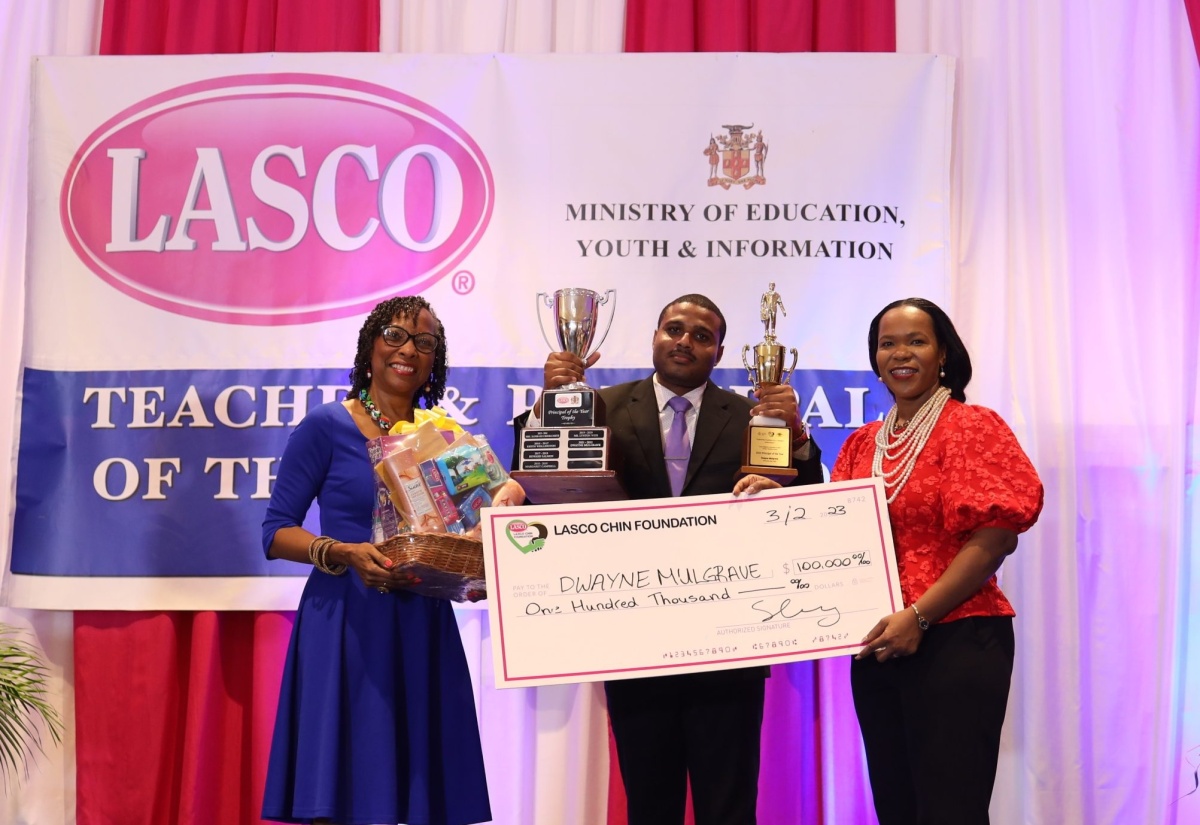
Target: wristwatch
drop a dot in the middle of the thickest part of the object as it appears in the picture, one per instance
(922, 622)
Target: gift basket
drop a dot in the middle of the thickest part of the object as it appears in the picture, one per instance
(432, 478)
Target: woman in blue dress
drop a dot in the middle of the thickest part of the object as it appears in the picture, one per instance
(376, 720)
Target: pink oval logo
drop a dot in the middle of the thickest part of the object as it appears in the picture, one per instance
(276, 199)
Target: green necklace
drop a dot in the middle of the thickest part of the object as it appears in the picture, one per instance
(373, 411)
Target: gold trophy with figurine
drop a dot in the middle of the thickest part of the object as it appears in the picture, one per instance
(767, 446)
(567, 458)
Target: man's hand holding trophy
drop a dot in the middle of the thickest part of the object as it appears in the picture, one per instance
(770, 441)
(567, 458)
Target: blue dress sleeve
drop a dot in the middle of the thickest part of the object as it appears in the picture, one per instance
(302, 470)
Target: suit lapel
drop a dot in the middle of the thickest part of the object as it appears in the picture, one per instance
(643, 412)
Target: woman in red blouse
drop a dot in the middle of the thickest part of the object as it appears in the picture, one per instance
(931, 682)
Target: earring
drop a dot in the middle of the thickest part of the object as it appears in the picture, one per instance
(428, 386)
(942, 373)
(368, 375)
(879, 378)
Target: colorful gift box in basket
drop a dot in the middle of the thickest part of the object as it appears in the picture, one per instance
(431, 480)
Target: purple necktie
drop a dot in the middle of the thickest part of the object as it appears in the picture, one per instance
(677, 448)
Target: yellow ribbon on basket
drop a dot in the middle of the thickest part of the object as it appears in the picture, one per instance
(436, 416)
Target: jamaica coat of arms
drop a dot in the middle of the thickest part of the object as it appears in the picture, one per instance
(737, 158)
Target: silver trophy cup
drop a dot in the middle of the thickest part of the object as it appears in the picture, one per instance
(565, 458)
(576, 313)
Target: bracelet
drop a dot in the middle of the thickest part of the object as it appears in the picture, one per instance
(318, 553)
(922, 622)
(315, 548)
(802, 437)
(326, 567)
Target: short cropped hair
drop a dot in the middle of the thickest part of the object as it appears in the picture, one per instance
(700, 301)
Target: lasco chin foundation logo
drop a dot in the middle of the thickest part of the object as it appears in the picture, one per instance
(526, 536)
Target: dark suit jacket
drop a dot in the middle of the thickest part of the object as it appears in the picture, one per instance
(716, 447)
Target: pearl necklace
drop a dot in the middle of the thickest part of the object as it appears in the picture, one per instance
(904, 448)
(373, 411)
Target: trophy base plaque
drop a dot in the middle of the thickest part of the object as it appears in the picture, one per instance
(559, 449)
(559, 465)
(767, 449)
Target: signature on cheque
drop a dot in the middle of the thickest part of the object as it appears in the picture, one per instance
(784, 609)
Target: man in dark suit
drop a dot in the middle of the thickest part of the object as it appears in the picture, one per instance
(703, 726)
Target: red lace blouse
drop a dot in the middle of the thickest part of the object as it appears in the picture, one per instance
(971, 474)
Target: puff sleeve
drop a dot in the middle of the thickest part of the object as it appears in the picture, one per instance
(987, 480)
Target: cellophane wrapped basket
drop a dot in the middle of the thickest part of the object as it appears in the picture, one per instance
(432, 480)
(449, 566)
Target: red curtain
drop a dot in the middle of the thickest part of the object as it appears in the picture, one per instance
(761, 25)
(174, 710)
(1193, 12)
(233, 26)
(174, 714)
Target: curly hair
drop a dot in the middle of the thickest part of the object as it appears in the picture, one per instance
(404, 306)
(958, 360)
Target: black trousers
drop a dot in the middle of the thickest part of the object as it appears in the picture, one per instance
(931, 723)
(706, 726)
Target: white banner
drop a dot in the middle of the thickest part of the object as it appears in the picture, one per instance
(207, 234)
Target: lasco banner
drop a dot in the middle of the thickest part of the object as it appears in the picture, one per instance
(207, 234)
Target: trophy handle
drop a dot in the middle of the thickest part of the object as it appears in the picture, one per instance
(749, 369)
(787, 373)
(539, 299)
(608, 293)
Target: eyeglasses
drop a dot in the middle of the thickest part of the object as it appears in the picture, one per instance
(395, 336)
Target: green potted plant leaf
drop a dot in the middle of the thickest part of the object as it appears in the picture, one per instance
(23, 682)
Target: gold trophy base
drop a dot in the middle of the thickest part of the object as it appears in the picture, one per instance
(767, 451)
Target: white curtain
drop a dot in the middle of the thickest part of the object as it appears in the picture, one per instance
(482, 26)
(1076, 201)
(1076, 181)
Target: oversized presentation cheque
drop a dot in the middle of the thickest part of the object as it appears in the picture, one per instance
(615, 590)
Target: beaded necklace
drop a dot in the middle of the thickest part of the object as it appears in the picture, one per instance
(904, 448)
(373, 411)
